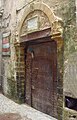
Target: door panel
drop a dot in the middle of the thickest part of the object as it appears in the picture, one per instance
(41, 83)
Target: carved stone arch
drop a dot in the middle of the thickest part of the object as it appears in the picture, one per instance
(55, 22)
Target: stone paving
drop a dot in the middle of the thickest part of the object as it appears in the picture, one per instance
(10, 110)
(10, 116)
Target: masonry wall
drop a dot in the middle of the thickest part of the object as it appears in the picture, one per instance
(13, 11)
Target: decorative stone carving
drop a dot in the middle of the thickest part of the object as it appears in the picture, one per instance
(57, 27)
(42, 22)
(48, 19)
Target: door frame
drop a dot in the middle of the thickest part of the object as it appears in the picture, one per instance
(60, 49)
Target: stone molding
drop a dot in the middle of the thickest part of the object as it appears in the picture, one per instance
(55, 22)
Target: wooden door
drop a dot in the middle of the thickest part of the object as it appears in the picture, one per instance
(41, 82)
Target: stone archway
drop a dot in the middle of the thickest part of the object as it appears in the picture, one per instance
(55, 21)
(56, 35)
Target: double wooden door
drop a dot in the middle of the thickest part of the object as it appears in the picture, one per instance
(41, 77)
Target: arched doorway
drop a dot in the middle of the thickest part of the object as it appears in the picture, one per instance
(41, 75)
(39, 37)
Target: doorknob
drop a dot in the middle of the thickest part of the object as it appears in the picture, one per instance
(33, 87)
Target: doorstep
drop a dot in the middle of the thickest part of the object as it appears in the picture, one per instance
(34, 114)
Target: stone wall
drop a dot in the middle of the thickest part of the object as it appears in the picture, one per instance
(76, 11)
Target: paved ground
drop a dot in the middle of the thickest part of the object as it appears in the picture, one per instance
(10, 116)
(10, 110)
